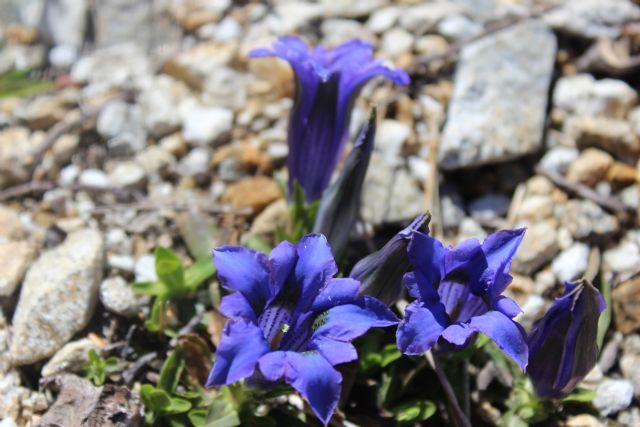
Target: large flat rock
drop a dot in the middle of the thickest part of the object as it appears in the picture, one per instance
(497, 112)
(57, 298)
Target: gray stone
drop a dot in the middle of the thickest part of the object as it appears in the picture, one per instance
(390, 137)
(396, 42)
(451, 207)
(195, 163)
(558, 159)
(63, 22)
(57, 297)
(406, 200)
(470, 229)
(122, 125)
(127, 174)
(571, 263)
(94, 178)
(145, 269)
(593, 18)
(383, 19)
(625, 257)
(159, 100)
(539, 246)
(613, 396)
(585, 219)
(118, 297)
(351, 9)
(17, 146)
(630, 361)
(204, 125)
(583, 95)
(155, 159)
(489, 207)
(15, 258)
(458, 27)
(498, 107)
(70, 358)
(427, 14)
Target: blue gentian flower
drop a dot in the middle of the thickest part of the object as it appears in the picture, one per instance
(563, 345)
(327, 84)
(290, 320)
(458, 294)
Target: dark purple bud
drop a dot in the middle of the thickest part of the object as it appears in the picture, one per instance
(563, 344)
(381, 272)
(340, 203)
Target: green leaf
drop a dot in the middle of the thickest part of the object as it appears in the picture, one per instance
(581, 395)
(605, 316)
(93, 356)
(198, 417)
(414, 411)
(169, 270)
(390, 354)
(153, 324)
(197, 273)
(178, 405)
(171, 371)
(256, 243)
(159, 400)
(222, 414)
(20, 83)
(150, 288)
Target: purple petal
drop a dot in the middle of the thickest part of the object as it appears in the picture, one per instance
(419, 330)
(241, 345)
(499, 249)
(310, 374)
(349, 321)
(236, 305)
(507, 306)
(243, 270)
(427, 255)
(465, 264)
(458, 334)
(509, 335)
(334, 351)
(314, 269)
(282, 260)
(336, 292)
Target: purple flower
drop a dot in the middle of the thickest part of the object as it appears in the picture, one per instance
(327, 84)
(563, 344)
(291, 320)
(458, 294)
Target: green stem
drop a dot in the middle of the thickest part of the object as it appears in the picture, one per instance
(457, 416)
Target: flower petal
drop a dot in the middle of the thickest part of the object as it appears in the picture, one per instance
(499, 249)
(338, 291)
(349, 321)
(508, 334)
(236, 305)
(310, 374)
(419, 330)
(427, 255)
(507, 306)
(282, 260)
(243, 270)
(241, 345)
(334, 351)
(314, 268)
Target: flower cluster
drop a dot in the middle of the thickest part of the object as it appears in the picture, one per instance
(291, 320)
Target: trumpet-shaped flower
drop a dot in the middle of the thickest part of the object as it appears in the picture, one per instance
(458, 294)
(563, 344)
(290, 320)
(327, 84)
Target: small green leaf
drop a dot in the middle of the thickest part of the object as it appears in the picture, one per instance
(580, 395)
(197, 273)
(171, 371)
(256, 243)
(414, 411)
(178, 405)
(390, 354)
(159, 400)
(169, 270)
(150, 288)
(198, 417)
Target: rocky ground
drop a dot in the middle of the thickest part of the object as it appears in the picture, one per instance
(143, 123)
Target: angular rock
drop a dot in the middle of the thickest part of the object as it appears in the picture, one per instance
(118, 297)
(17, 148)
(10, 226)
(614, 136)
(57, 297)
(593, 19)
(613, 396)
(127, 174)
(500, 95)
(489, 207)
(538, 247)
(571, 263)
(630, 361)
(14, 261)
(583, 95)
(204, 125)
(585, 219)
(558, 159)
(590, 167)
(626, 306)
(625, 257)
(122, 125)
(71, 358)
(254, 192)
